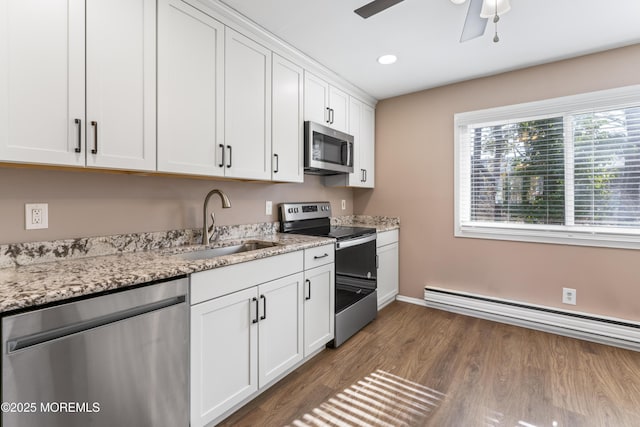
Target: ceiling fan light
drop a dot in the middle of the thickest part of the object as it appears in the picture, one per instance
(489, 8)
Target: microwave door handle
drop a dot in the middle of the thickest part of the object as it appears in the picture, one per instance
(349, 150)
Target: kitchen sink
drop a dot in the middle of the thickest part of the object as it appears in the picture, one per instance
(226, 250)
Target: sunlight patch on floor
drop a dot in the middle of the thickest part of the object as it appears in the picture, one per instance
(381, 399)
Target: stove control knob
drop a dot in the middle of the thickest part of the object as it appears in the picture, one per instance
(296, 210)
(290, 210)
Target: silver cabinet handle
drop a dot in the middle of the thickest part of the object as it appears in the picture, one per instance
(79, 146)
(308, 287)
(320, 256)
(230, 154)
(331, 115)
(264, 312)
(327, 115)
(277, 163)
(255, 320)
(94, 150)
(221, 164)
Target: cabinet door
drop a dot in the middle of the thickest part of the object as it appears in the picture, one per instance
(356, 178)
(280, 327)
(319, 307)
(190, 90)
(339, 105)
(316, 99)
(42, 81)
(367, 145)
(247, 107)
(224, 352)
(121, 84)
(287, 124)
(387, 274)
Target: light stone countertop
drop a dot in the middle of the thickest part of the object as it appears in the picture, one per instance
(42, 283)
(38, 273)
(380, 223)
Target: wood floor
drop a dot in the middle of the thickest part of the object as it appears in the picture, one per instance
(416, 366)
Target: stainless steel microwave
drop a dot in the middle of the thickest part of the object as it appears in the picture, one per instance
(326, 151)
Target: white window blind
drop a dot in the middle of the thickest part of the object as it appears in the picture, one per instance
(565, 170)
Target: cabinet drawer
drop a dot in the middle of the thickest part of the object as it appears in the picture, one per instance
(221, 281)
(387, 237)
(321, 255)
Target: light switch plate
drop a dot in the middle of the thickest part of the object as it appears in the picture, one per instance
(268, 207)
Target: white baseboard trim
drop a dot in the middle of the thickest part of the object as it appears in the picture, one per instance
(410, 300)
(589, 327)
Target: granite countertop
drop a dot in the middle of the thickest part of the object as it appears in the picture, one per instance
(380, 223)
(33, 274)
(41, 283)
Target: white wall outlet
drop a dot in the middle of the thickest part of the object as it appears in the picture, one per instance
(344, 204)
(268, 207)
(36, 216)
(569, 296)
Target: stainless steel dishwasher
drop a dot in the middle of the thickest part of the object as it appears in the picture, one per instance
(120, 359)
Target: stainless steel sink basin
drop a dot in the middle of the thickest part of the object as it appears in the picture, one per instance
(226, 250)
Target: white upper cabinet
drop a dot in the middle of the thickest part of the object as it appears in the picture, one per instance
(367, 148)
(287, 121)
(362, 127)
(42, 95)
(325, 104)
(43, 77)
(247, 108)
(339, 109)
(190, 90)
(121, 84)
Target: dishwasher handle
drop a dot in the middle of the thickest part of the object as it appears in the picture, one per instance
(31, 340)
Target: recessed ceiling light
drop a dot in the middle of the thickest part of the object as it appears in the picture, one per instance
(387, 59)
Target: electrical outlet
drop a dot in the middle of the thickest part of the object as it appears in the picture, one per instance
(268, 207)
(569, 296)
(36, 216)
(344, 204)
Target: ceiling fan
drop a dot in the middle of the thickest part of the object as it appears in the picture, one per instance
(474, 25)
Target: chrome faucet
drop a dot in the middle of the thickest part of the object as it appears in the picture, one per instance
(207, 232)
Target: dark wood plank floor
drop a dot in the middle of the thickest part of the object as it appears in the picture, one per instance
(416, 366)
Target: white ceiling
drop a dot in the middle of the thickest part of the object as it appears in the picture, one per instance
(425, 34)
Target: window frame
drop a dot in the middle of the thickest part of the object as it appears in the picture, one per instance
(628, 238)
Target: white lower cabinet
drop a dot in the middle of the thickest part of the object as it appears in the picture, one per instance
(388, 267)
(279, 327)
(319, 307)
(224, 354)
(251, 324)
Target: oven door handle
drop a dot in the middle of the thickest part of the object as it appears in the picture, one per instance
(343, 244)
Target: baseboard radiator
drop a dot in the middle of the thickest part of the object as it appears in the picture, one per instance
(604, 330)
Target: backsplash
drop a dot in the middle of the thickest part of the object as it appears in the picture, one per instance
(17, 254)
(367, 220)
(37, 252)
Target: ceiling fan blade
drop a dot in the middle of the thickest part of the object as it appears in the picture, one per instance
(474, 25)
(376, 6)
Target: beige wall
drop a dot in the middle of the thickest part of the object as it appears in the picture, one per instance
(415, 181)
(95, 203)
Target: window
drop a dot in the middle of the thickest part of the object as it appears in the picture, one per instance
(565, 170)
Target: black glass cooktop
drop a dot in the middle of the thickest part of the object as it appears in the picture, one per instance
(339, 232)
